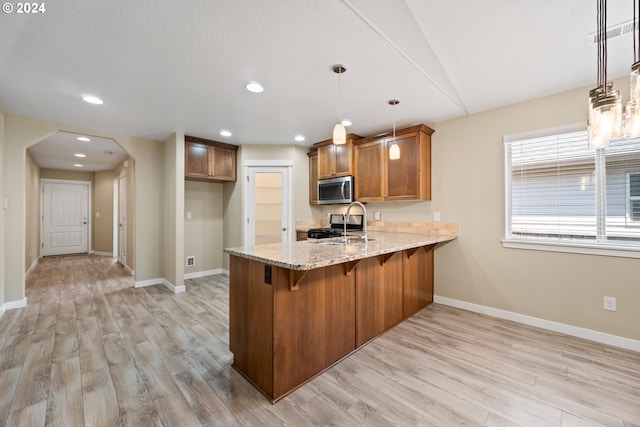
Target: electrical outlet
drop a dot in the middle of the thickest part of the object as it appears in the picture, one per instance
(610, 303)
(377, 216)
(436, 216)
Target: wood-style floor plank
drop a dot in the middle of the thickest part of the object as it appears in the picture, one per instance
(90, 349)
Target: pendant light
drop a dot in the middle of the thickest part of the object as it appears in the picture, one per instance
(632, 111)
(605, 106)
(394, 149)
(339, 131)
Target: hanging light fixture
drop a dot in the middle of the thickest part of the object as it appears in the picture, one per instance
(605, 106)
(339, 131)
(632, 111)
(394, 148)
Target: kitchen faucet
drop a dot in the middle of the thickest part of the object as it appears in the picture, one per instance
(364, 219)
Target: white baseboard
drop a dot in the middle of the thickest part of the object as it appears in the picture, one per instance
(563, 328)
(225, 271)
(131, 272)
(33, 265)
(160, 281)
(12, 304)
(197, 274)
(109, 254)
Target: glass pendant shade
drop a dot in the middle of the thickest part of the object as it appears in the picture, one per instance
(394, 151)
(605, 116)
(632, 110)
(339, 134)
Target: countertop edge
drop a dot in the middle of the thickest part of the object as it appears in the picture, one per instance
(337, 254)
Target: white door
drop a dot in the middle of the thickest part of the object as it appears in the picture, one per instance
(65, 218)
(122, 220)
(267, 205)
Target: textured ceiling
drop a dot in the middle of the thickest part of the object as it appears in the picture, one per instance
(163, 67)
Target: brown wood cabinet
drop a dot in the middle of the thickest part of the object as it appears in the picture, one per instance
(313, 177)
(282, 337)
(301, 235)
(209, 160)
(335, 160)
(378, 295)
(417, 268)
(378, 178)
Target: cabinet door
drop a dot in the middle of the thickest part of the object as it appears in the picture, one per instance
(343, 159)
(368, 171)
(196, 160)
(326, 161)
(417, 265)
(313, 178)
(313, 326)
(223, 164)
(378, 295)
(402, 178)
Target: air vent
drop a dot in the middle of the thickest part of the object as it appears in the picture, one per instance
(191, 261)
(614, 31)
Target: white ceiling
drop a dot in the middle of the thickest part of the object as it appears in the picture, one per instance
(163, 67)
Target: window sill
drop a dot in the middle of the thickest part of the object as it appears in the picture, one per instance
(575, 248)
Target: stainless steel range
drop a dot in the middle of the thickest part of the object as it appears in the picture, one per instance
(336, 228)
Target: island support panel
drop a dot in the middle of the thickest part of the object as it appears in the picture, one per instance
(309, 328)
(282, 336)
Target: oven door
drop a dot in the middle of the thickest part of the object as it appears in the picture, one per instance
(335, 190)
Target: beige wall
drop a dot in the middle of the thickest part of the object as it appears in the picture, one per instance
(2, 215)
(173, 212)
(203, 233)
(21, 133)
(468, 176)
(103, 212)
(32, 230)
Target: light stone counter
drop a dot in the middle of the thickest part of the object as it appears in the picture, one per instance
(311, 254)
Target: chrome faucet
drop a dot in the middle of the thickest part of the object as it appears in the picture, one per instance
(364, 219)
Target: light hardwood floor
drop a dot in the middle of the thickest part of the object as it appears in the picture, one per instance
(89, 349)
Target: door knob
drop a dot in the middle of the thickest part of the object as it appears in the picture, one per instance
(284, 228)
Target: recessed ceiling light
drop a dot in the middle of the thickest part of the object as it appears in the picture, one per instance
(83, 139)
(299, 138)
(346, 122)
(225, 132)
(78, 165)
(92, 99)
(254, 87)
(79, 155)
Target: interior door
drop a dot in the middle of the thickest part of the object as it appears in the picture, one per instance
(65, 218)
(267, 205)
(122, 220)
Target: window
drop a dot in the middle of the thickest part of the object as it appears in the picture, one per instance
(560, 193)
(634, 197)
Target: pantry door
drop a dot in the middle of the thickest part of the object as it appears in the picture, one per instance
(65, 217)
(267, 217)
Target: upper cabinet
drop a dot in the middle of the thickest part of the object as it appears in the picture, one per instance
(379, 178)
(335, 160)
(313, 177)
(209, 160)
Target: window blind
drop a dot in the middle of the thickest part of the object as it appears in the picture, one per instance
(558, 190)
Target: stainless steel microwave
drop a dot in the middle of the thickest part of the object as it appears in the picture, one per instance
(335, 190)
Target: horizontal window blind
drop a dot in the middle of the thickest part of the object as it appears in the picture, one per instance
(560, 191)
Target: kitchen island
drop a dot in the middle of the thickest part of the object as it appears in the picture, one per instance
(297, 308)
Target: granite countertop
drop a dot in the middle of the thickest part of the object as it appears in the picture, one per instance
(310, 254)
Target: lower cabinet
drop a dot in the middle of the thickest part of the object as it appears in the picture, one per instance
(417, 267)
(281, 338)
(378, 295)
(286, 326)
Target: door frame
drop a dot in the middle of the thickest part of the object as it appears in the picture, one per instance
(122, 200)
(247, 164)
(89, 185)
